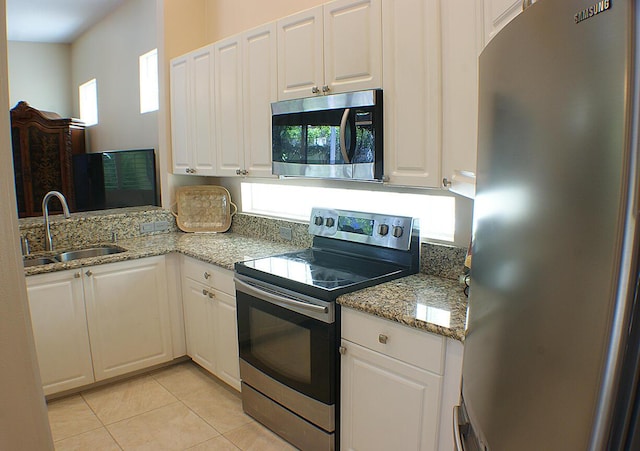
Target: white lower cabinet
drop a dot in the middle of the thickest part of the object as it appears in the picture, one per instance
(128, 316)
(208, 295)
(98, 322)
(59, 322)
(392, 385)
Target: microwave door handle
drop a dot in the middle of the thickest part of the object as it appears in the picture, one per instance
(343, 131)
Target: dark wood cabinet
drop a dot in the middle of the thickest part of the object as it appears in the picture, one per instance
(43, 147)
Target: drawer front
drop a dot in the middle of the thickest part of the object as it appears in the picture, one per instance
(208, 274)
(422, 349)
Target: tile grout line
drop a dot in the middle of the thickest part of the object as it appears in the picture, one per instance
(101, 422)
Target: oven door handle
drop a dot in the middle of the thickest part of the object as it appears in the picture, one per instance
(343, 137)
(272, 297)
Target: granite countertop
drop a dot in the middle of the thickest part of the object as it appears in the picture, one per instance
(221, 249)
(429, 303)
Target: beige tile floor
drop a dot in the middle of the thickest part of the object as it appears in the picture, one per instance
(176, 408)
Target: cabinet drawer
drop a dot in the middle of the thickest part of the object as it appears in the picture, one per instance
(422, 349)
(208, 274)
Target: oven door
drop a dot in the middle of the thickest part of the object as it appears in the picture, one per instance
(289, 337)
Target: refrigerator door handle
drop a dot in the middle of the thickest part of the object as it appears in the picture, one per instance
(457, 438)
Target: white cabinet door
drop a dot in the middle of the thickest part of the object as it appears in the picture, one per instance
(461, 45)
(192, 113)
(202, 118)
(199, 318)
(228, 106)
(387, 404)
(180, 105)
(260, 88)
(210, 319)
(412, 92)
(128, 316)
(498, 13)
(352, 45)
(227, 367)
(56, 303)
(300, 54)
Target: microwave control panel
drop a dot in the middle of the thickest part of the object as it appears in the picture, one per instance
(370, 228)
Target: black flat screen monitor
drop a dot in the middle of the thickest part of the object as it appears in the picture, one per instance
(115, 179)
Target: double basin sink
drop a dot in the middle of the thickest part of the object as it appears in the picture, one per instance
(71, 255)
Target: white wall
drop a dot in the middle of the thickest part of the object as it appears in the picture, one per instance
(23, 416)
(109, 53)
(40, 74)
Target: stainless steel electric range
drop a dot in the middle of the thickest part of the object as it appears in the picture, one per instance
(289, 323)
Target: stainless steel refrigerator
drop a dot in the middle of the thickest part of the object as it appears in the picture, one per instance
(551, 352)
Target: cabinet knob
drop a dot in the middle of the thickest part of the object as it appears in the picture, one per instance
(77, 275)
(238, 172)
(206, 275)
(342, 350)
(89, 273)
(446, 183)
(204, 292)
(326, 89)
(211, 295)
(245, 172)
(382, 338)
(315, 90)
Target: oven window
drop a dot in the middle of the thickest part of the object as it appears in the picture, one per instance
(281, 344)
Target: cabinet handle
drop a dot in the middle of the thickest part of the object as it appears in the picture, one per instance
(207, 275)
(204, 292)
(326, 89)
(89, 273)
(211, 295)
(342, 350)
(245, 172)
(238, 172)
(446, 183)
(315, 90)
(77, 275)
(382, 338)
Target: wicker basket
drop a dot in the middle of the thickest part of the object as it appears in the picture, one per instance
(204, 208)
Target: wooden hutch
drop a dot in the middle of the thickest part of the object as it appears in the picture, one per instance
(43, 147)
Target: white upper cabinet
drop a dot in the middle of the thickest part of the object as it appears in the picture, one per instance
(498, 13)
(461, 45)
(260, 88)
(192, 113)
(300, 54)
(228, 106)
(329, 49)
(412, 92)
(245, 86)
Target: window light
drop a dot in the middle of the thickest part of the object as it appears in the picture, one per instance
(149, 81)
(88, 96)
(436, 213)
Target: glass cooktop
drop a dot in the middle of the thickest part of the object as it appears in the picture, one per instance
(320, 269)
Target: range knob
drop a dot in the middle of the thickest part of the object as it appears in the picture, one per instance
(383, 229)
(397, 231)
(318, 220)
(329, 222)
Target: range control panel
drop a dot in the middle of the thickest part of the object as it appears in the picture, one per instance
(370, 228)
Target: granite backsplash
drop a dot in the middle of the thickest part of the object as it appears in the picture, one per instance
(85, 229)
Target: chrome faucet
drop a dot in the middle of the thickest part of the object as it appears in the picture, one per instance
(48, 242)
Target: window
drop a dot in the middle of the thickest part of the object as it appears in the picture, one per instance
(149, 81)
(436, 213)
(88, 96)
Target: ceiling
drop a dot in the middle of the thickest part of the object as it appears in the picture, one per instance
(55, 21)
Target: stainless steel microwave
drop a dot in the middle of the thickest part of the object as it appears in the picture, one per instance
(334, 136)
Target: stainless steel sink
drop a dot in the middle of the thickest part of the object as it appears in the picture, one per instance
(88, 253)
(35, 261)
